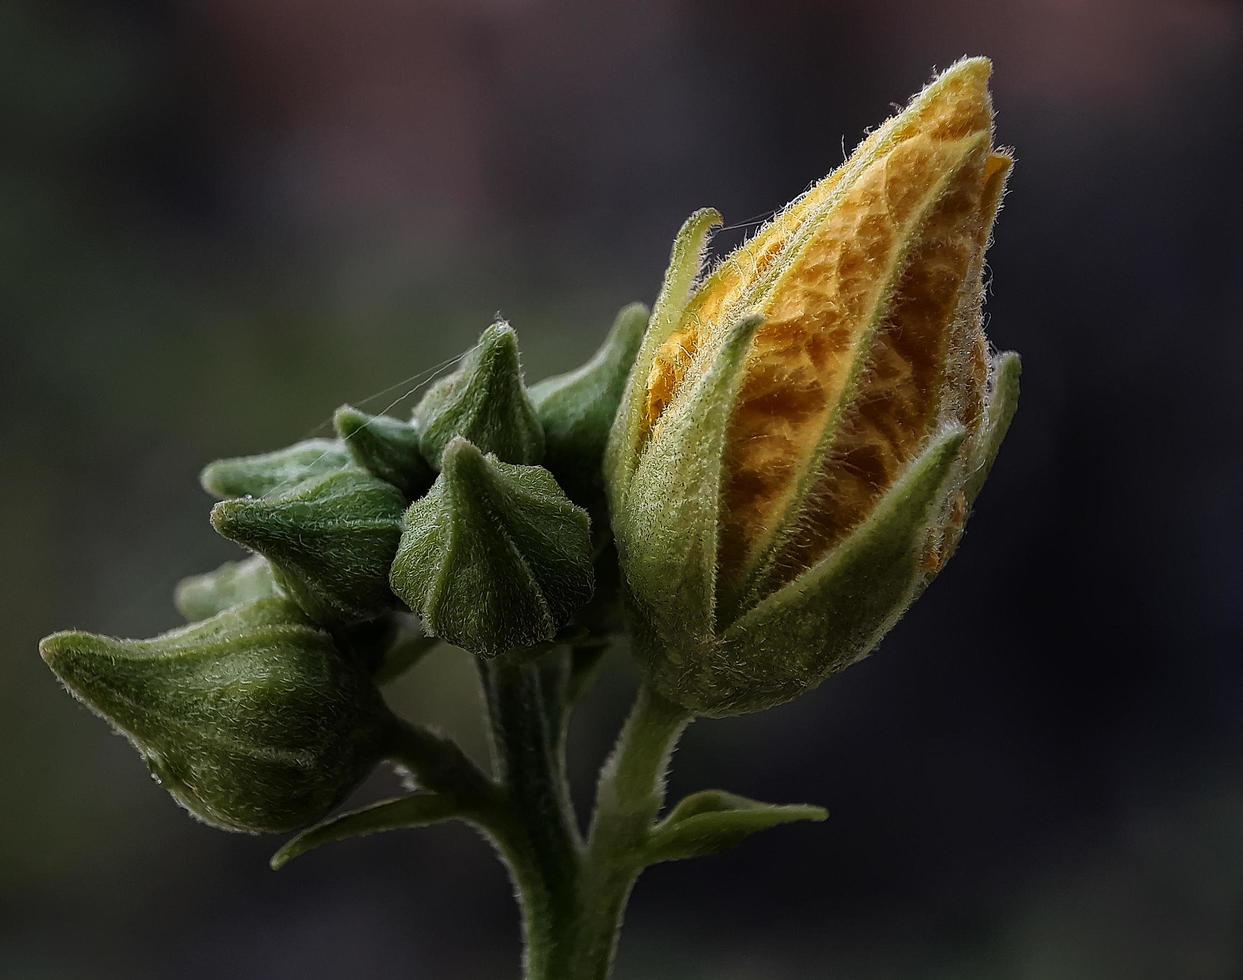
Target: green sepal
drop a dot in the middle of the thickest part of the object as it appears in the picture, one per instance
(485, 402)
(233, 583)
(667, 527)
(386, 447)
(254, 476)
(329, 540)
(828, 618)
(407, 812)
(495, 556)
(1002, 404)
(250, 719)
(577, 410)
(712, 821)
(685, 263)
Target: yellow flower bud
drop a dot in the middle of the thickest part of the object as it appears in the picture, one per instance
(870, 346)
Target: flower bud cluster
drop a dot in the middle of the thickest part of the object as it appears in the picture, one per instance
(263, 713)
(767, 470)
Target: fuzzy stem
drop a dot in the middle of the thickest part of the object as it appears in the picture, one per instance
(541, 842)
(630, 794)
(572, 896)
(438, 763)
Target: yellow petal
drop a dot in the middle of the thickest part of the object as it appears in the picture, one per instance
(913, 209)
(951, 107)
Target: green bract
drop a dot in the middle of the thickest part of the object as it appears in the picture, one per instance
(250, 719)
(385, 447)
(495, 557)
(577, 409)
(330, 541)
(485, 402)
(254, 476)
(233, 583)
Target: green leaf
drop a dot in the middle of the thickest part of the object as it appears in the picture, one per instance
(713, 821)
(419, 810)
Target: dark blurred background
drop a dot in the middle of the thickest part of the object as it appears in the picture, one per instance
(220, 219)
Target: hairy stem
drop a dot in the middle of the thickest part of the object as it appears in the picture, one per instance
(630, 794)
(540, 841)
(572, 894)
(438, 764)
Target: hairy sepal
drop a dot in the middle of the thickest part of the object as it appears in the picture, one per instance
(667, 529)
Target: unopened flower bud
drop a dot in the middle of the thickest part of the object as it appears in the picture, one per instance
(232, 584)
(577, 410)
(485, 402)
(329, 541)
(495, 556)
(250, 719)
(386, 447)
(804, 432)
(254, 476)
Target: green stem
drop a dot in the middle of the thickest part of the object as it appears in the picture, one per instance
(540, 841)
(438, 764)
(572, 896)
(630, 795)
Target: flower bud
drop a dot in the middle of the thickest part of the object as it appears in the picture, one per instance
(254, 476)
(494, 557)
(485, 402)
(330, 541)
(577, 409)
(233, 583)
(250, 719)
(386, 447)
(804, 432)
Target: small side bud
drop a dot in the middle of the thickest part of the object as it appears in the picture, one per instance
(485, 402)
(250, 719)
(233, 583)
(495, 557)
(386, 447)
(253, 476)
(329, 541)
(577, 411)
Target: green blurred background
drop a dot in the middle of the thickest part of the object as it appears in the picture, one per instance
(221, 219)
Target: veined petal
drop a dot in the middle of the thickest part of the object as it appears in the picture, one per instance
(855, 329)
(966, 381)
(968, 377)
(950, 107)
